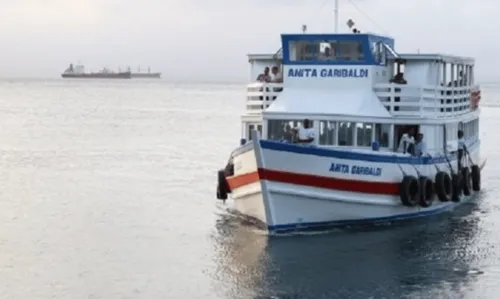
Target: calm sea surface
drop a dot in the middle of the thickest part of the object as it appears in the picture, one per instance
(107, 190)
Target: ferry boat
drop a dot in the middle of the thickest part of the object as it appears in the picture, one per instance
(361, 96)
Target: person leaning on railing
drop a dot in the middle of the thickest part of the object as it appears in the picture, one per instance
(264, 77)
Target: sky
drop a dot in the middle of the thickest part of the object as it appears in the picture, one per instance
(206, 40)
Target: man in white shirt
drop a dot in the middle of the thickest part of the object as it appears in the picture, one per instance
(406, 140)
(276, 76)
(305, 132)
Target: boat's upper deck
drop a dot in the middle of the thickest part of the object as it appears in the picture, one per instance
(358, 75)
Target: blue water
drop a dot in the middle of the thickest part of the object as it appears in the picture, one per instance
(108, 191)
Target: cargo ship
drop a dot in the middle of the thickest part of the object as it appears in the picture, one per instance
(149, 74)
(78, 71)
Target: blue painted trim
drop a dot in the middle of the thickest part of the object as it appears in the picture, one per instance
(334, 153)
(363, 38)
(293, 227)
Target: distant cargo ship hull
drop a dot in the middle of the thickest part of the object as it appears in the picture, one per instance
(122, 75)
(146, 75)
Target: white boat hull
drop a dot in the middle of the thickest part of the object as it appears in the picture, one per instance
(290, 187)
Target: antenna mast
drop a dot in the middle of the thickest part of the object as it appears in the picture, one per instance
(336, 16)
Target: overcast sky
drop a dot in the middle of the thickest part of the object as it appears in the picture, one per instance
(208, 39)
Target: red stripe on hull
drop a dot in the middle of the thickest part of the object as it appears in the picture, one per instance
(314, 181)
(242, 180)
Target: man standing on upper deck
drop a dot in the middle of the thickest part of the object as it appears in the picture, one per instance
(305, 132)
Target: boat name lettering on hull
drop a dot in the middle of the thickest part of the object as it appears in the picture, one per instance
(355, 169)
(328, 73)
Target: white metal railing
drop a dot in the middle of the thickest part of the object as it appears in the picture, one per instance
(400, 100)
(261, 95)
(425, 101)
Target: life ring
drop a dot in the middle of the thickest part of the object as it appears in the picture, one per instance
(476, 177)
(456, 187)
(466, 181)
(222, 186)
(443, 185)
(409, 190)
(426, 191)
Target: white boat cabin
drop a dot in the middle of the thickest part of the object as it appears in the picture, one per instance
(357, 89)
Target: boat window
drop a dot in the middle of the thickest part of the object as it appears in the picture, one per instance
(451, 132)
(254, 127)
(282, 129)
(346, 130)
(378, 52)
(364, 134)
(350, 50)
(383, 54)
(326, 50)
(306, 50)
(382, 132)
(327, 132)
(470, 129)
(250, 128)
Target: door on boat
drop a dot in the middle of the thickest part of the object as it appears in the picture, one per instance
(251, 127)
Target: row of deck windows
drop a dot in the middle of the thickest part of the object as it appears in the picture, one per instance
(470, 128)
(334, 133)
(358, 134)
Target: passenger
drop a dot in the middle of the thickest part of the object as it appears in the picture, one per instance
(264, 77)
(406, 140)
(276, 76)
(327, 55)
(398, 79)
(420, 147)
(461, 148)
(305, 132)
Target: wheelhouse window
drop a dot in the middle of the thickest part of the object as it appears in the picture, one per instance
(346, 130)
(326, 50)
(382, 132)
(364, 134)
(379, 52)
(327, 132)
(282, 129)
(350, 50)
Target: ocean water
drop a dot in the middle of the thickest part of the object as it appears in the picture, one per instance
(107, 190)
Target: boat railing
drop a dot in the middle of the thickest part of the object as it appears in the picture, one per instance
(425, 101)
(261, 95)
